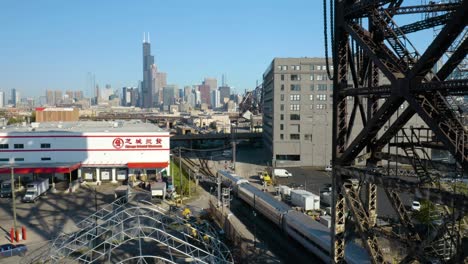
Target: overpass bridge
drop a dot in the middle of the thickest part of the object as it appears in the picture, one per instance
(221, 136)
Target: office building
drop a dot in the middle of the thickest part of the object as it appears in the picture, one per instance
(50, 97)
(15, 98)
(153, 81)
(215, 102)
(58, 97)
(2, 99)
(224, 93)
(211, 82)
(297, 112)
(205, 94)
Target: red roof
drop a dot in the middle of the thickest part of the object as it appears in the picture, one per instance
(36, 168)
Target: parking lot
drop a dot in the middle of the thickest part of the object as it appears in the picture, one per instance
(51, 214)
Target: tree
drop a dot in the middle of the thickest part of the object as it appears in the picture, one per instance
(427, 213)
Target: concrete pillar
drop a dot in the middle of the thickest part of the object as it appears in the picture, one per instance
(98, 176)
(114, 180)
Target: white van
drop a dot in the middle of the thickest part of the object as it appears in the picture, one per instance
(281, 173)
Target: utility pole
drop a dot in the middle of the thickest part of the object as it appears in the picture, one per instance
(15, 224)
(233, 147)
(180, 172)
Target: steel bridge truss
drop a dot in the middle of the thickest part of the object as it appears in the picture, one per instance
(138, 221)
(366, 43)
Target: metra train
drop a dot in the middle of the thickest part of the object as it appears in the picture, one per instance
(314, 236)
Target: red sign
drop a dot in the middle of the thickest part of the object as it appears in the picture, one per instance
(119, 143)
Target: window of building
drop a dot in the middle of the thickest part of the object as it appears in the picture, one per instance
(279, 67)
(4, 160)
(281, 127)
(318, 77)
(281, 136)
(311, 67)
(282, 97)
(281, 117)
(311, 107)
(288, 157)
(321, 106)
(284, 67)
(45, 145)
(282, 107)
(295, 87)
(18, 146)
(308, 137)
(331, 87)
(295, 77)
(311, 77)
(311, 87)
(295, 136)
(311, 97)
(4, 146)
(45, 158)
(319, 68)
(282, 77)
(295, 128)
(295, 117)
(282, 87)
(296, 67)
(321, 97)
(295, 97)
(321, 87)
(295, 107)
(19, 159)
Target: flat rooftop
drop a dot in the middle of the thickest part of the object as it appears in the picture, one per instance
(84, 126)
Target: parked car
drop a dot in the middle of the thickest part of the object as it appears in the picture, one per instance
(416, 206)
(328, 168)
(9, 250)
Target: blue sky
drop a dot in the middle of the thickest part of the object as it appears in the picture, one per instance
(51, 44)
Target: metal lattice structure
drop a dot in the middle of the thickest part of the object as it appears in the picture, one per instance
(367, 43)
(134, 230)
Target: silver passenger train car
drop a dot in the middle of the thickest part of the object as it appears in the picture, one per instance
(312, 235)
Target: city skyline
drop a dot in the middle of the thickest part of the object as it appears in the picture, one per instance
(61, 49)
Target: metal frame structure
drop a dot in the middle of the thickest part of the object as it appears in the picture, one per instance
(135, 219)
(367, 42)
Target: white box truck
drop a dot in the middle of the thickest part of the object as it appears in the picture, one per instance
(158, 189)
(281, 173)
(306, 200)
(326, 220)
(35, 189)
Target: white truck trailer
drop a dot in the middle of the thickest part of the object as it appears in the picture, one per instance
(35, 189)
(306, 200)
(281, 173)
(158, 189)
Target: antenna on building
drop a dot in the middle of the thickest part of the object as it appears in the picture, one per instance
(148, 38)
(222, 80)
(144, 37)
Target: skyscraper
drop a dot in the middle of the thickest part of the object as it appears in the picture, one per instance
(14, 99)
(2, 99)
(211, 82)
(147, 89)
(205, 94)
(224, 92)
(58, 97)
(50, 97)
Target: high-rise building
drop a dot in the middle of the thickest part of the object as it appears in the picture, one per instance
(78, 95)
(2, 99)
(169, 96)
(50, 97)
(224, 93)
(187, 93)
(147, 89)
(205, 94)
(215, 99)
(58, 97)
(14, 98)
(297, 112)
(160, 83)
(211, 82)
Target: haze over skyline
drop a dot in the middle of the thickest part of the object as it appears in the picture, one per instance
(54, 44)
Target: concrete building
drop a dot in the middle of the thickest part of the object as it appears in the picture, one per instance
(224, 93)
(297, 112)
(93, 151)
(50, 97)
(205, 94)
(215, 102)
(168, 96)
(2, 99)
(52, 114)
(211, 82)
(15, 97)
(58, 97)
